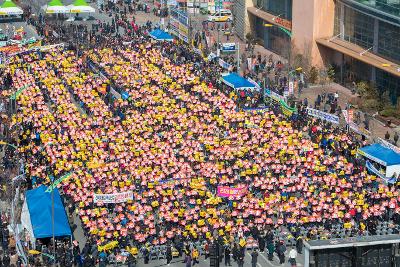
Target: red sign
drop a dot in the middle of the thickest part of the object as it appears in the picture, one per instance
(283, 22)
(350, 115)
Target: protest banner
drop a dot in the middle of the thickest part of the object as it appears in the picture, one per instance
(113, 198)
(379, 174)
(346, 116)
(350, 115)
(49, 47)
(211, 56)
(224, 64)
(275, 96)
(255, 83)
(291, 88)
(286, 109)
(359, 130)
(226, 191)
(323, 115)
(108, 246)
(58, 181)
(228, 47)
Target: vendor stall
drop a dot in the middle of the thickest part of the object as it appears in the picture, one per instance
(9, 8)
(37, 214)
(55, 7)
(81, 6)
(238, 82)
(161, 35)
(382, 161)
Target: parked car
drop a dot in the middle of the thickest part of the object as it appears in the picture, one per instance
(222, 15)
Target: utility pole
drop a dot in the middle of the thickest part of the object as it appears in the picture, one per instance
(238, 57)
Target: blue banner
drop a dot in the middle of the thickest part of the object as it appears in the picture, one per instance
(228, 47)
(224, 64)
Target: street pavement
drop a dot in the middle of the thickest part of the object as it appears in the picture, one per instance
(377, 128)
(29, 29)
(262, 261)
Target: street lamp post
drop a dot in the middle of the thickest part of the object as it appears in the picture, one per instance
(238, 57)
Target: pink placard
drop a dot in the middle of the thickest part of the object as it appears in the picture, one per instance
(226, 191)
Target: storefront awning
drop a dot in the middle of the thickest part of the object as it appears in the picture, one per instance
(360, 54)
(270, 18)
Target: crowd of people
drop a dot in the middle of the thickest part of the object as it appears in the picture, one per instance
(153, 118)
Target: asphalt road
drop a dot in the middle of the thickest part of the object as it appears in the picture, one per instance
(262, 261)
(30, 31)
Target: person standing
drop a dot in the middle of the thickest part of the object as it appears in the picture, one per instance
(207, 250)
(146, 255)
(228, 256)
(235, 252)
(188, 260)
(387, 135)
(241, 257)
(261, 243)
(271, 249)
(254, 256)
(281, 252)
(299, 244)
(6, 260)
(169, 253)
(292, 257)
(395, 138)
(131, 260)
(195, 256)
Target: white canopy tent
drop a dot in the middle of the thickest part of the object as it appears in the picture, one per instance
(81, 6)
(55, 7)
(9, 8)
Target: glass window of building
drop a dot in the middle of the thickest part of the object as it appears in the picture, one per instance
(278, 7)
(389, 41)
(277, 41)
(388, 6)
(259, 28)
(358, 28)
(336, 25)
(273, 38)
(387, 82)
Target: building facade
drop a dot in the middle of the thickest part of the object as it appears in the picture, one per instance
(372, 30)
(360, 37)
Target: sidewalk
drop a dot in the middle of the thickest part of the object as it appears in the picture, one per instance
(377, 128)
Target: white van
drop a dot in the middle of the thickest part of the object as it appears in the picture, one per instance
(222, 15)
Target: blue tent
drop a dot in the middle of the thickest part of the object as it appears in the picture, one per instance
(237, 82)
(40, 213)
(380, 154)
(161, 35)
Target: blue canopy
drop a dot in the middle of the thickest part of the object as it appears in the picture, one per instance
(40, 211)
(161, 35)
(237, 82)
(380, 154)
